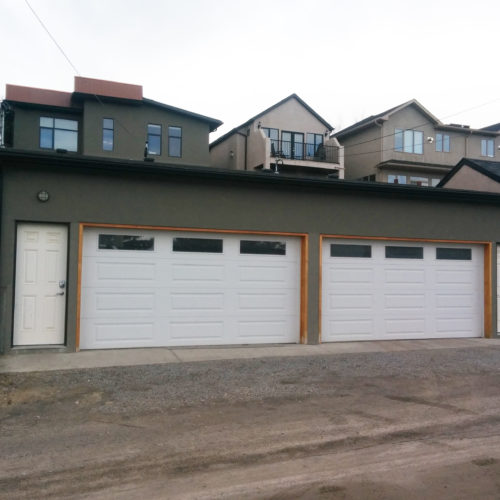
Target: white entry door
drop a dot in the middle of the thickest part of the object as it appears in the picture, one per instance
(40, 296)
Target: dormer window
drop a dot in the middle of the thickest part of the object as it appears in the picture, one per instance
(58, 133)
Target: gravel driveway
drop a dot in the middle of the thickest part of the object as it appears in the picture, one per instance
(375, 425)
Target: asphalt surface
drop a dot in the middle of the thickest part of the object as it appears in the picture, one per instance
(283, 427)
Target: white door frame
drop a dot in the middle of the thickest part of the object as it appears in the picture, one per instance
(40, 287)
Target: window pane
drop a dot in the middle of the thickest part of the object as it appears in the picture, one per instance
(340, 250)
(46, 138)
(108, 123)
(154, 129)
(418, 146)
(107, 140)
(263, 247)
(453, 253)
(408, 141)
(404, 252)
(273, 133)
(154, 144)
(46, 122)
(439, 142)
(396, 179)
(174, 131)
(419, 181)
(483, 147)
(174, 147)
(66, 124)
(125, 242)
(398, 140)
(435, 182)
(446, 144)
(197, 245)
(65, 139)
(490, 148)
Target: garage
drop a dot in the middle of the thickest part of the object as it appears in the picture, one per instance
(392, 289)
(148, 288)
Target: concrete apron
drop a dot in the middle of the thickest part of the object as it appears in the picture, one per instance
(46, 361)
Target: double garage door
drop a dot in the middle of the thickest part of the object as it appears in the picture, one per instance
(376, 290)
(144, 288)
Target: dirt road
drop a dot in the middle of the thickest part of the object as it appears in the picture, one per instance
(422, 424)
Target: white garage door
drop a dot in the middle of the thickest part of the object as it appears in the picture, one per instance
(162, 288)
(375, 290)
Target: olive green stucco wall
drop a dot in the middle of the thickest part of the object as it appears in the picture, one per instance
(222, 202)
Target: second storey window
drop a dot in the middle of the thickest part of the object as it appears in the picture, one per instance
(154, 139)
(443, 143)
(58, 133)
(409, 141)
(313, 143)
(273, 134)
(488, 147)
(108, 133)
(175, 141)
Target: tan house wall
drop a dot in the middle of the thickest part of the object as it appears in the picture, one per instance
(468, 178)
(229, 153)
(362, 153)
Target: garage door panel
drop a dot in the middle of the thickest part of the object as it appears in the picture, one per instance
(408, 296)
(176, 298)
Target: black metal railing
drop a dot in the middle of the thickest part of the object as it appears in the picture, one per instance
(304, 151)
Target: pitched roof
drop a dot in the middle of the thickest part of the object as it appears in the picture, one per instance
(490, 169)
(492, 128)
(372, 120)
(274, 106)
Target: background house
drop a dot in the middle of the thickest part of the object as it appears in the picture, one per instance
(476, 175)
(103, 118)
(408, 145)
(289, 133)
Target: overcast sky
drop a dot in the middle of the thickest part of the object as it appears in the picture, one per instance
(230, 59)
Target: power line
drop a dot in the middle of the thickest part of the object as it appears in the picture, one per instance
(52, 38)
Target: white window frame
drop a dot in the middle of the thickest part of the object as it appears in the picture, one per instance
(409, 141)
(488, 148)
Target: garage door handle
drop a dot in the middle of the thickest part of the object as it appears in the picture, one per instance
(60, 293)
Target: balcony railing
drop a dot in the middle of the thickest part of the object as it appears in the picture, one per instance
(304, 151)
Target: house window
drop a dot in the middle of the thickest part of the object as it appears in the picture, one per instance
(409, 141)
(175, 141)
(442, 143)
(58, 133)
(419, 181)
(154, 139)
(396, 179)
(488, 147)
(273, 134)
(108, 133)
(313, 144)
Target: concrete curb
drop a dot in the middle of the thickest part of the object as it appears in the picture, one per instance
(50, 361)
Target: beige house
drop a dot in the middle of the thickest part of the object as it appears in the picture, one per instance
(408, 145)
(289, 137)
(476, 175)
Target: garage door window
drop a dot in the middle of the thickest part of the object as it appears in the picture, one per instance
(453, 253)
(404, 252)
(263, 247)
(203, 245)
(339, 250)
(125, 242)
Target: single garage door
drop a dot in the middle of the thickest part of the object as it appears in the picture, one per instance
(144, 288)
(376, 290)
